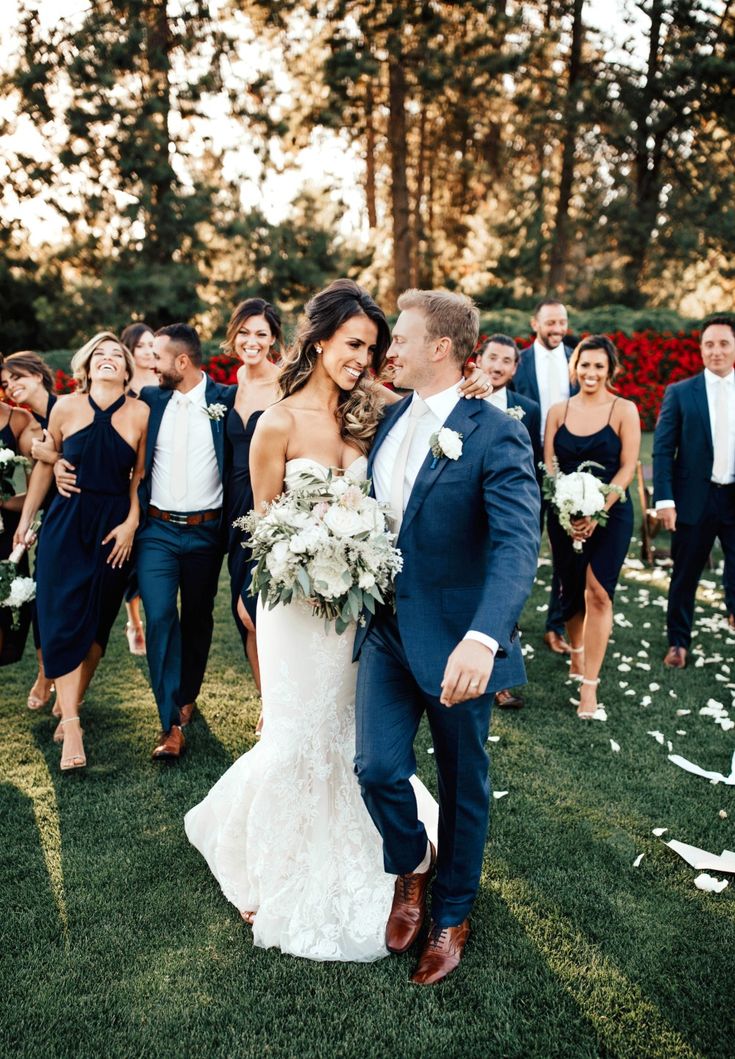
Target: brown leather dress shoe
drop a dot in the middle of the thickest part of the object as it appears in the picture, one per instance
(556, 643)
(441, 954)
(506, 700)
(409, 908)
(185, 714)
(676, 658)
(731, 620)
(170, 746)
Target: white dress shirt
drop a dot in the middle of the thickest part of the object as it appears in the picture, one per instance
(499, 398)
(203, 480)
(441, 405)
(551, 366)
(712, 382)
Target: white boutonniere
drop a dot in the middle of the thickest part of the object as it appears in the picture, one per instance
(216, 411)
(445, 443)
(515, 413)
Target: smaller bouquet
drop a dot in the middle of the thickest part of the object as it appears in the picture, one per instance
(9, 460)
(579, 494)
(325, 541)
(15, 591)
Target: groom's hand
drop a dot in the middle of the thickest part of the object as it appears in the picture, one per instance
(467, 672)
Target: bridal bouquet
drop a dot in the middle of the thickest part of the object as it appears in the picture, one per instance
(9, 460)
(15, 590)
(325, 541)
(579, 494)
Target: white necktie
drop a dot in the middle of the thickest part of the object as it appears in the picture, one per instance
(416, 412)
(722, 432)
(553, 390)
(179, 455)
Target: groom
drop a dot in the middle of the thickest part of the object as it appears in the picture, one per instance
(467, 516)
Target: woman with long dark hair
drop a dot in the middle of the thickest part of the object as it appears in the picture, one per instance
(594, 425)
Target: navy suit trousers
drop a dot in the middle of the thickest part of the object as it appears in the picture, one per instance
(389, 707)
(691, 545)
(172, 560)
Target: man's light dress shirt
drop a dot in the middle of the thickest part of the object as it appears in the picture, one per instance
(203, 480)
(440, 406)
(712, 385)
(552, 375)
(499, 398)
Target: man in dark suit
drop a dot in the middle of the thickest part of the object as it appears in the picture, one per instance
(459, 477)
(543, 375)
(499, 360)
(180, 545)
(694, 477)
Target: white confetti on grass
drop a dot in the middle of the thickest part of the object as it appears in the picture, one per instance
(658, 736)
(658, 831)
(637, 861)
(499, 794)
(710, 884)
(615, 747)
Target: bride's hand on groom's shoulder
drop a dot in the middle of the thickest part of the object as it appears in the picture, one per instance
(467, 672)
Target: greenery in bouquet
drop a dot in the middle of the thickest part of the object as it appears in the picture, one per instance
(325, 541)
(9, 460)
(15, 590)
(579, 494)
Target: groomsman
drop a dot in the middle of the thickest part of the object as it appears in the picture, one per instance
(181, 542)
(543, 375)
(694, 477)
(499, 359)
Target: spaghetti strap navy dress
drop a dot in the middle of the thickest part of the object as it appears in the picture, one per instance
(13, 640)
(43, 423)
(606, 549)
(78, 593)
(240, 502)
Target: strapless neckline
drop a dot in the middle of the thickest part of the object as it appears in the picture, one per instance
(324, 467)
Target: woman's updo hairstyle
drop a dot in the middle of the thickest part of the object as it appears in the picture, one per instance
(358, 409)
(604, 345)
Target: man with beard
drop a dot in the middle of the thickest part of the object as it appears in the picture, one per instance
(180, 545)
(543, 375)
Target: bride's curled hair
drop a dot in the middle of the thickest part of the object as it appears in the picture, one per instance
(359, 409)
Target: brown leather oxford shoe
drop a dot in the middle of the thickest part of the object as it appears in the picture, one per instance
(506, 700)
(185, 714)
(676, 658)
(409, 908)
(731, 621)
(170, 746)
(556, 643)
(441, 954)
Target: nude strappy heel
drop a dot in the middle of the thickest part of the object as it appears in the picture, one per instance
(74, 761)
(575, 651)
(592, 684)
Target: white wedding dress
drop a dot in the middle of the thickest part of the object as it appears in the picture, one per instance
(285, 831)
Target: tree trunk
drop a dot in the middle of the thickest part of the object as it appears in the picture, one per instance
(370, 192)
(561, 237)
(161, 236)
(419, 197)
(398, 146)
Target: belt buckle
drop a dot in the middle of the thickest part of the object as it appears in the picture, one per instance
(178, 519)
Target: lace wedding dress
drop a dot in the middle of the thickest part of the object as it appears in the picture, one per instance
(285, 831)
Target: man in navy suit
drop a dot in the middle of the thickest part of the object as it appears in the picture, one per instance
(543, 375)
(180, 544)
(694, 477)
(499, 359)
(459, 477)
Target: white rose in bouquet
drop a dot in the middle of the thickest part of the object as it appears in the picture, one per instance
(22, 590)
(579, 494)
(278, 560)
(345, 523)
(329, 573)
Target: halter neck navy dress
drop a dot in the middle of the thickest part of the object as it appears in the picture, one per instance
(606, 549)
(240, 502)
(78, 594)
(43, 423)
(13, 640)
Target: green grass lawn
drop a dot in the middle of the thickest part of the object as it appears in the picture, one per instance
(117, 942)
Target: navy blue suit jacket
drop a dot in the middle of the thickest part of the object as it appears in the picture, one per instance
(470, 540)
(157, 399)
(531, 421)
(682, 449)
(525, 381)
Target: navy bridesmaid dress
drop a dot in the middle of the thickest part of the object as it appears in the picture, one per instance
(240, 502)
(13, 640)
(606, 549)
(43, 423)
(78, 593)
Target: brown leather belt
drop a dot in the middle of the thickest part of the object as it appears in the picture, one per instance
(176, 518)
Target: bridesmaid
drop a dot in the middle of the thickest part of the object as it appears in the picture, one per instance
(254, 336)
(18, 430)
(88, 537)
(138, 338)
(592, 425)
(28, 380)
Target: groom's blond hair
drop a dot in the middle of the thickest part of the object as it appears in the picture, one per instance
(453, 316)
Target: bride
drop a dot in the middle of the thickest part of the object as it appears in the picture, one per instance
(285, 831)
